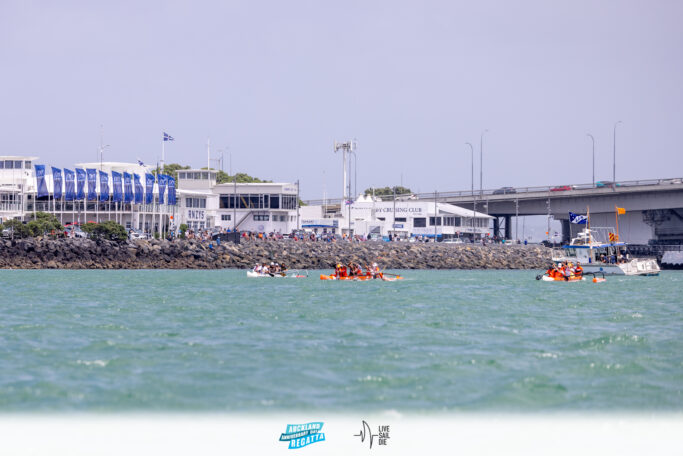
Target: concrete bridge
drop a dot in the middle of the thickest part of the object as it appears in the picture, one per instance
(654, 207)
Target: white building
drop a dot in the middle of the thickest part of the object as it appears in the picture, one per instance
(263, 207)
(401, 218)
(201, 203)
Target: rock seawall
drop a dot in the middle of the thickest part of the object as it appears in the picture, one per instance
(187, 254)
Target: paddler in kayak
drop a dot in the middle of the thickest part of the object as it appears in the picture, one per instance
(340, 271)
(355, 270)
(375, 272)
(578, 270)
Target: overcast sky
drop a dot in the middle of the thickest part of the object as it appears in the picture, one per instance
(276, 82)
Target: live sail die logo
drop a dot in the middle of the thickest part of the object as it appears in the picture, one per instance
(301, 435)
(380, 437)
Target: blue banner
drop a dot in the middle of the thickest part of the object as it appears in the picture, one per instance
(138, 189)
(104, 186)
(69, 184)
(161, 182)
(171, 190)
(80, 180)
(117, 189)
(127, 188)
(149, 188)
(92, 184)
(56, 183)
(41, 185)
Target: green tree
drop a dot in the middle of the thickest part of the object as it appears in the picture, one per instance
(106, 230)
(171, 169)
(18, 229)
(43, 223)
(242, 178)
(183, 230)
(388, 191)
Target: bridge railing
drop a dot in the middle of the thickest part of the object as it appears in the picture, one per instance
(506, 191)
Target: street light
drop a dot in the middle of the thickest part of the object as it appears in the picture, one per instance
(614, 157)
(591, 136)
(474, 203)
(481, 163)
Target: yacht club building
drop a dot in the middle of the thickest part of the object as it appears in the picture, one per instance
(200, 202)
(406, 218)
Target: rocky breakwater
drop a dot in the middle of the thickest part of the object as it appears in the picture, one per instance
(189, 254)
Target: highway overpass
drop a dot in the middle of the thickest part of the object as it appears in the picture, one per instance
(654, 207)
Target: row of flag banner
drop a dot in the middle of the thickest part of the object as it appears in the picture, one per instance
(126, 187)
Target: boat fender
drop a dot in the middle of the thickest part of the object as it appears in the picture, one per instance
(539, 277)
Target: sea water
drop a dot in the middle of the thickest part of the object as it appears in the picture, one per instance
(165, 340)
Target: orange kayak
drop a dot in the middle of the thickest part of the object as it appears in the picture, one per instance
(363, 277)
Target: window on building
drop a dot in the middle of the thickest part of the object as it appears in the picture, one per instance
(27, 164)
(205, 175)
(400, 219)
(419, 222)
(9, 164)
(2, 164)
(17, 164)
(181, 176)
(288, 201)
(262, 217)
(434, 221)
(275, 201)
(225, 217)
(199, 203)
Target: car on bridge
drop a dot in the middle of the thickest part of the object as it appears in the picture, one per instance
(606, 184)
(504, 191)
(562, 188)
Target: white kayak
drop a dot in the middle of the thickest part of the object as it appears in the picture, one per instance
(293, 274)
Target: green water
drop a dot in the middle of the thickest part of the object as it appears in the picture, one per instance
(440, 340)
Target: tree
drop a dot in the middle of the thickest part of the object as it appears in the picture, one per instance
(18, 229)
(171, 170)
(183, 230)
(389, 191)
(106, 230)
(242, 178)
(43, 223)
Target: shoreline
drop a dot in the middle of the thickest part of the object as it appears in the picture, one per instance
(39, 253)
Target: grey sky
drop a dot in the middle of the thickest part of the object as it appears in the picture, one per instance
(277, 82)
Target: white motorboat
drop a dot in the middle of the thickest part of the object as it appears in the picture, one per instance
(609, 258)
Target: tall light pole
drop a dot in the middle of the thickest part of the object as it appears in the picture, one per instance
(481, 163)
(474, 203)
(591, 137)
(614, 157)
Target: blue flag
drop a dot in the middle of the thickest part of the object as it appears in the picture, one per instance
(104, 186)
(127, 188)
(80, 181)
(70, 185)
(171, 190)
(41, 185)
(92, 184)
(149, 188)
(161, 182)
(139, 192)
(56, 183)
(577, 218)
(117, 188)
(168, 137)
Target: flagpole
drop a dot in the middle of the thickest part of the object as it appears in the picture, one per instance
(616, 217)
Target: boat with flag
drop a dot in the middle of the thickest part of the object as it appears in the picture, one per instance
(599, 250)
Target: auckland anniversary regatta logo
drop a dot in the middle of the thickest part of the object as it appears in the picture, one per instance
(300, 435)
